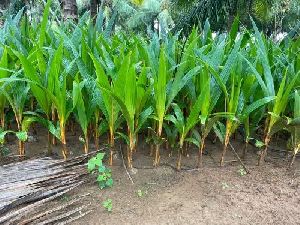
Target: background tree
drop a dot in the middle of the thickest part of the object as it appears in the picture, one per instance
(270, 15)
(94, 6)
(70, 10)
(143, 16)
(4, 4)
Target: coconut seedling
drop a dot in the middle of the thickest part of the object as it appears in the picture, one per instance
(108, 104)
(60, 97)
(17, 96)
(166, 86)
(171, 136)
(83, 111)
(36, 71)
(293, 127)
(185, 125)
(144, 90)
(206, 119)
(38, 84)
(239, 113)
(160, 97)
(250, 93)
(216, 71)
(4, 73)
(236, 112)
(267, 84)
(131, 105)
(278, 107)
(124, 92)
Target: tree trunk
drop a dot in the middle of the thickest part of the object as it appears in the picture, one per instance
(94, 8)
(69, 8)
(4, 4)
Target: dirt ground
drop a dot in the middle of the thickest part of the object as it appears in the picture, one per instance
(212, 195)
(270, 194)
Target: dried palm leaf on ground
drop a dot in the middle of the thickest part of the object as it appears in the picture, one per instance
(27, 187)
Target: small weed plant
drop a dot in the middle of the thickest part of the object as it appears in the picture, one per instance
(242, 172)
(104, 177)
(225, 185)
(141, 193)
(107, 204)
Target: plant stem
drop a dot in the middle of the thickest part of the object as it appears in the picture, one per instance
(2, 118)
(111, 145)
(130, 150)
(96, 138)
(157, 155)
(49, 143)
(63, 141)
(178, 167)
(264, 152)
(293, 160)
(266, 127)
(49, 147)
(296, 150)
(21, 143)
(86, 144)
(224, 149)
(21, 148)
(96, 130)
(199, 164)
(54, 141)
(136, 142)
(157, 147)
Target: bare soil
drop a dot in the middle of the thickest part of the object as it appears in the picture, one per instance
(270, 194)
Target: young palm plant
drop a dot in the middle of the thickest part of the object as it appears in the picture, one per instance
(206, 120)
(60, 97)
(184, 126)
(236, 112)
(217, 58)
(267, 85)
(166, 87)
(293, 127)
(108, 105)
(3, 74)
(160, 96)
(16, 96)
(125, 93)
(84, 111)
(278, 107)
(35, 70)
